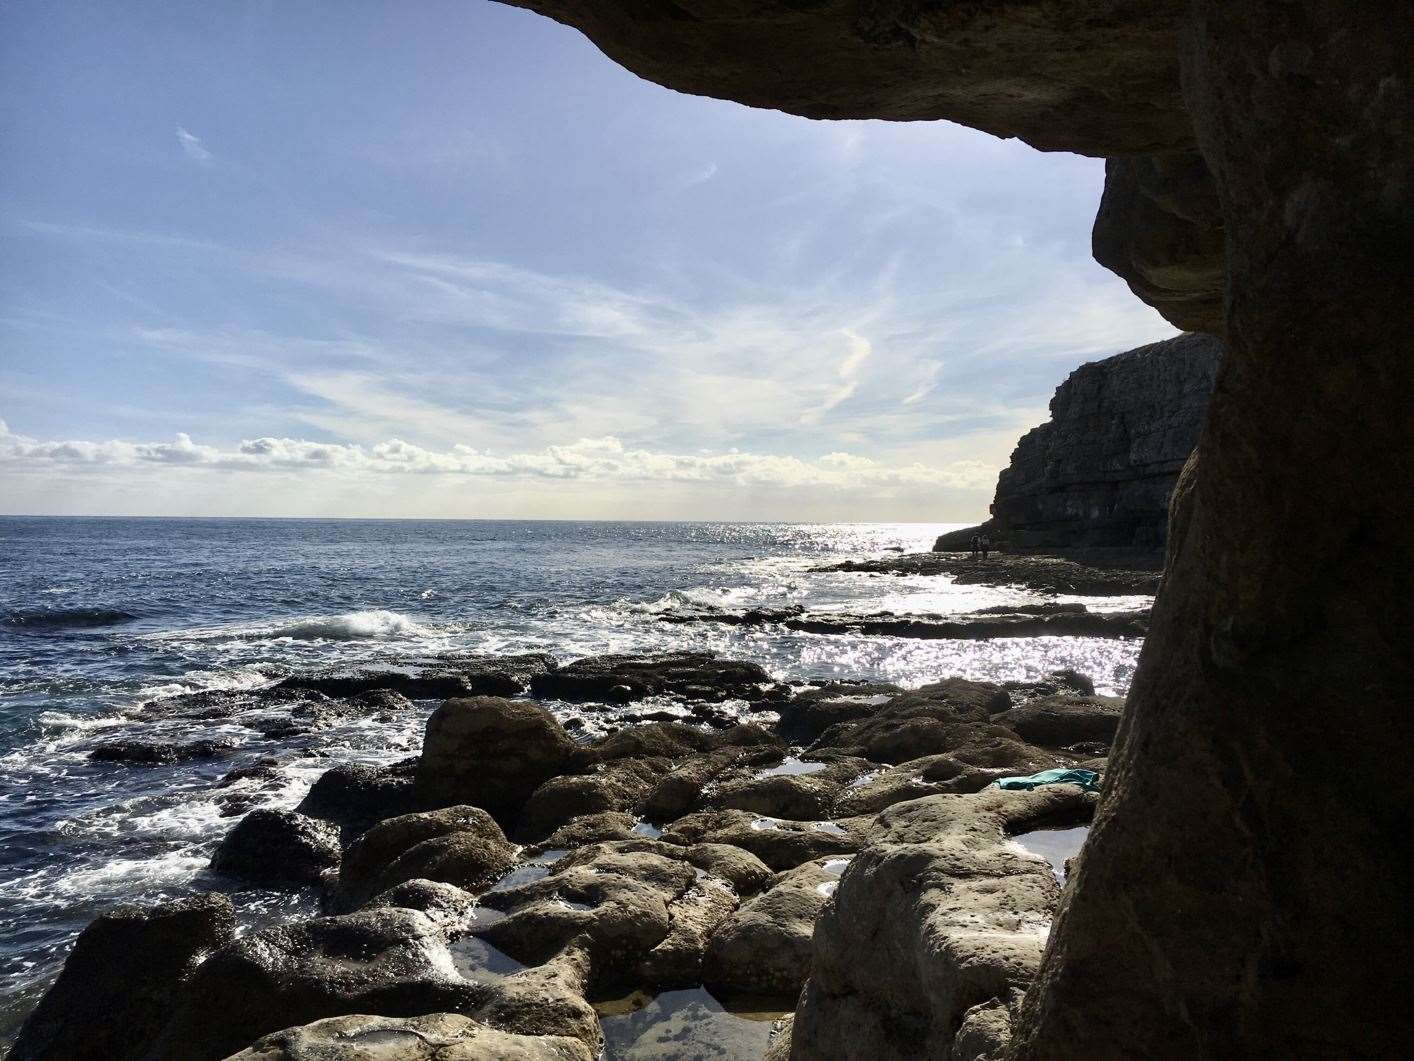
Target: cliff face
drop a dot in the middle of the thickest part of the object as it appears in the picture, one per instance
(1099, 474)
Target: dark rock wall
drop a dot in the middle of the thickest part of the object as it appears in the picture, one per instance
(1241, 893)
(1100, 472)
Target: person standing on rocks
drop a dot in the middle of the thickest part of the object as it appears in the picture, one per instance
(985, 544)
(976, 545)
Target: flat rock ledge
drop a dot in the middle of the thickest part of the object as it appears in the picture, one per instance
(1043, 574)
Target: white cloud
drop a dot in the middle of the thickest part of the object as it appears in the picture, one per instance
(192, 145)
(604, 460)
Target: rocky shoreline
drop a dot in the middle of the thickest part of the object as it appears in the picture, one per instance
(481, 899)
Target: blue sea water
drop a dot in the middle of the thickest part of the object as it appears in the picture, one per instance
(99, 616)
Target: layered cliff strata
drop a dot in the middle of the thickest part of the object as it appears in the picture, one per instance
(1100, 472)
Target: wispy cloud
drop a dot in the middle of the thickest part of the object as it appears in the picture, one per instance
(192, 145)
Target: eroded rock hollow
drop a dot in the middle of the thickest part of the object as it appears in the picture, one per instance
(1240, 894)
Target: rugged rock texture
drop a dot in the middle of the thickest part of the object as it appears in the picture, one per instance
(1160, 228)
(278, 847)
(118, 986)
(439, 1037)
(457, 845)
(938, 914)
(1100, 472)
(1044, 574)
(490, 753)
(1098, 76)
(394, 962)
(1271, 683)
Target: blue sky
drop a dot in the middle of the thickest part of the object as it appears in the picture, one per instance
(445, 259)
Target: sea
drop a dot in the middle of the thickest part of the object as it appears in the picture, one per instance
(101, 615)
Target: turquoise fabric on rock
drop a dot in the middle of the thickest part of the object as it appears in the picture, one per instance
(1086, 779)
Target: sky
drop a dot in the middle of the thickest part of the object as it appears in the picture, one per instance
(444, 259)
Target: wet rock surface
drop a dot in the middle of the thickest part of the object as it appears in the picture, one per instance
(278, 847)
(1061, 721)
(119, 984)
(440, 678)
(621, 679)
(154, 753)
(1063, 621)
(1043, 574)
(764, 947)
(355, 795)
(664, 856)
(390, 961)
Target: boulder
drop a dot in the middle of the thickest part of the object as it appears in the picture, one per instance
(437, 1037)
(798, 796)
(490, 753)
(764, 947)
(623, 678)
(680, 790)
(779, 843)
(456, 845)
(118, 986)
(616, 896)
(278, 847)
(930, 775)
(356, 795)
(438, 679)
(1061, 721)
(693, 917)
(939, 913)
(588, 829)
(812, 711)
(618, 785)
(390, 961)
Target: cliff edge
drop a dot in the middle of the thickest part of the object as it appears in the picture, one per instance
(1099, 473)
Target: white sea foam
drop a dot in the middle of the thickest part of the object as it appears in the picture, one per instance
(376, 624)
(353, 626)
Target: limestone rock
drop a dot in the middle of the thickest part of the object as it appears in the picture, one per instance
(764, 948)
(1100, 472)
(1160, 227)
(1068, 76)
(812, 711)
(1059, 721)
(941, 912)
(490, 753)
(801, 797)
(619, 785)
(616, 896)
(779, 843)
(278, 847)
(437, 1037)
(117, 988)
(456, 845)
(441, 678)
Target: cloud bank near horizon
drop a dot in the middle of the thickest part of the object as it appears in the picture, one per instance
(602, 460)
